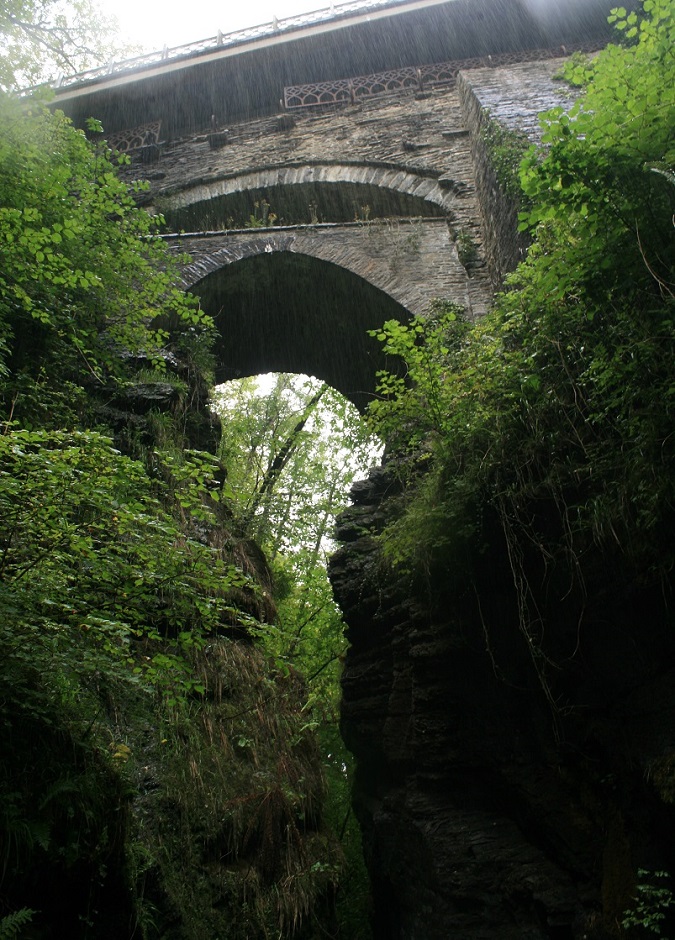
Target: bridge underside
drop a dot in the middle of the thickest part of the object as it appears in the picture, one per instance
(302, 298)
(299, 204)
(285, 312)
(247, 79)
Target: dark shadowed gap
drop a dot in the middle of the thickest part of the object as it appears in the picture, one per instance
(299, 205)
(285, 312)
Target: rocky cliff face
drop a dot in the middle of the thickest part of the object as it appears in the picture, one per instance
(499, 798)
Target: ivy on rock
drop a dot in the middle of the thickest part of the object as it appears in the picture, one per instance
(547, 426)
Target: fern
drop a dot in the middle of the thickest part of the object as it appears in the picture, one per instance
(10, 926)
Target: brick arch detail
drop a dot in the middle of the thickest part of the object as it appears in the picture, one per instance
(416, 277)
(398, 180)
(348, 258)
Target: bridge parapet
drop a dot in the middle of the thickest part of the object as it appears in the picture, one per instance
(276, 28)
(422, 78)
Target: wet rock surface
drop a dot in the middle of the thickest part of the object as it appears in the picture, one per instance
(488, 810)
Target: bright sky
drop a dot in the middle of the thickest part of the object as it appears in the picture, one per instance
(156, 23)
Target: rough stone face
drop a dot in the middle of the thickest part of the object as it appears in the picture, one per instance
(514, 97)
(132, 410)
(422, 153)
(487, 811)
(425, 152)
(399, 144)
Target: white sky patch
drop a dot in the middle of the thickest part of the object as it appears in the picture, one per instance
(266, 382)
(154, 24)
(335, 443)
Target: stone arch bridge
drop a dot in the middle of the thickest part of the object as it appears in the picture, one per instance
(304, 296)
(373, 166)
(385, 204)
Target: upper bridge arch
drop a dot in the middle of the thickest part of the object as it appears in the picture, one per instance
(303, 298)
(441, 194)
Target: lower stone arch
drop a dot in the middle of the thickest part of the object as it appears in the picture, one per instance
(411, 261)
(294, 313)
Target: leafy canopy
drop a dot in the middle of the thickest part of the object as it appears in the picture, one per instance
(39, 39)
(83, 281)
(92, 564)
(608, 172)
(556, 411)
(293, 447)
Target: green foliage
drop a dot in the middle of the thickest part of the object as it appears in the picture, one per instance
(111, 604)
(11, 924)
(42, 38)
(82, 280)
(261, 217)
(505, 149)
(467, 251)
(234, 777)
(62, 812)
(576, 70)
(294, 516)
(155, 772)
(598, 177)
(651, 903)
(352, 899)
(194, 346)
(549, 423)
(92, 564)
(108, 597)
(324, 443)
(329, 444)
(409, 408)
